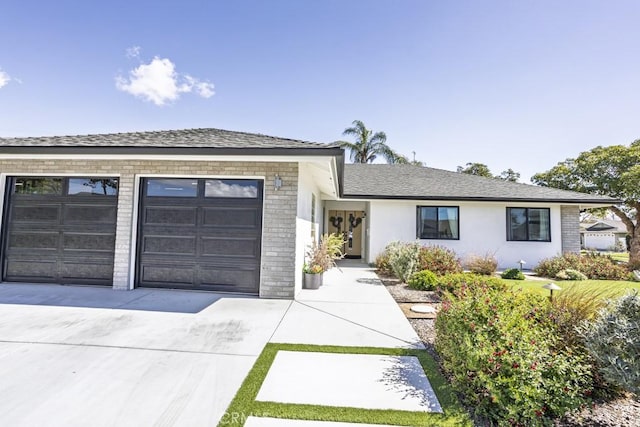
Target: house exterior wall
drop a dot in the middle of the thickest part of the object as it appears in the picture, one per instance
(304, 224)
(601, 240)
(279, 212)
(482, 230)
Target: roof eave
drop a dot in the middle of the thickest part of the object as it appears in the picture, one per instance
(601, 202)
(177, 151)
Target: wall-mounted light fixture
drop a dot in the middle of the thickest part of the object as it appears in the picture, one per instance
(277, 182)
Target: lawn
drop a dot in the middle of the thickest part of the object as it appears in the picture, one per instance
(245, 404)
(617, 287)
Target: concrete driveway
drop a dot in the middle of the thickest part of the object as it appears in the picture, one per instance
(78, 356)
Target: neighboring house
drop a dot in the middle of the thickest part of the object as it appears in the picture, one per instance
(209, 209)
(603, 235)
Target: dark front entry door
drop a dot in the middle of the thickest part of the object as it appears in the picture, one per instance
(202, 234)
(60, 230)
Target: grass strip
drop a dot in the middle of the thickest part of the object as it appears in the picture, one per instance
(244, 404)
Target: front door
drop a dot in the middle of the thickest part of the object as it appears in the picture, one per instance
(349, 224)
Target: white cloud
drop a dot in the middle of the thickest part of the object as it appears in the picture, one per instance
(133, 52)
(159, 82)
(4, 78)
(219, 188)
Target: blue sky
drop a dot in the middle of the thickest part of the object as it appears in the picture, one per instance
(521, 84)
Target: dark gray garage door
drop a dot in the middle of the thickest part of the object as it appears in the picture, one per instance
(59, 230)
(200, 234)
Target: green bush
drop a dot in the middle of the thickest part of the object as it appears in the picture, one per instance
(613, 339)
(592, 265)
(424, 280)
(570, 274)
(403, 259)
(439, 260)
(482, 264)
(453, 282)
(500, 352)
(513, 274)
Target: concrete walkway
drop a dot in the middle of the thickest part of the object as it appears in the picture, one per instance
(352, 308)
(76, 356)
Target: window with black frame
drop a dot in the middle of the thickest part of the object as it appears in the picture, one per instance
(438, 222)
(528, 224)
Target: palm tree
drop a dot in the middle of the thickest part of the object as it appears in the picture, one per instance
(368, 145)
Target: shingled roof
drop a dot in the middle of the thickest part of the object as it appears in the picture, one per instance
(408, 182)
(169, 141)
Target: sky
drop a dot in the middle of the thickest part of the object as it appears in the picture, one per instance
(513, 84)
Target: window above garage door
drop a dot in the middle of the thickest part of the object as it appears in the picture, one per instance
(65, 186)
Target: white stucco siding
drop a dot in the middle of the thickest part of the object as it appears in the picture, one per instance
(306, 189)
(482, 230)
(599, 240)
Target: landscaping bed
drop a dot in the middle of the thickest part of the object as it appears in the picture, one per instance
(624, 411)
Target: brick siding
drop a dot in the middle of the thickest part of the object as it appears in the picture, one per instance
(570, 224)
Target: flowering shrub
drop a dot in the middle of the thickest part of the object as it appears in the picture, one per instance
(613, 339)
(424, 280)
(453, 282)
(499, 350)
(482, 264)
(439, 260)
(326, 251)
(403, 259)
(593, 265)
(513, 274)
(596, 266)
(312, 269)
(382, 263)
(570, 274)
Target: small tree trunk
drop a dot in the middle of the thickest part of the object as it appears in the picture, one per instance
(634, 252)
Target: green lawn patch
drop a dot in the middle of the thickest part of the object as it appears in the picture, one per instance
(616, 287)
(618, 256)
(244, 404)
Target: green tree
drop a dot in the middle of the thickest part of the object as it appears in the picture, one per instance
(479, 169)
(509, 175)
(608, 171)
(368, 145)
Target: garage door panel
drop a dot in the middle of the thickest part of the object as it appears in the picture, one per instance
(90, 272)
(246, 247)
(172, 216)
(229, 277)
(178, 245)
(34, 240)
(34, 269)
(165, 274)
(231, 217)
(98, 213)
(95, 242)
(36, 213)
